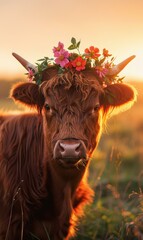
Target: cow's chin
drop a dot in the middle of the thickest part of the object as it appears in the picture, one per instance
(73, 163)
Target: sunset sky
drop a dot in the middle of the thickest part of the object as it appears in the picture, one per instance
(32, 27)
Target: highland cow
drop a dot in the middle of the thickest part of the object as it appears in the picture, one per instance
(45, 154)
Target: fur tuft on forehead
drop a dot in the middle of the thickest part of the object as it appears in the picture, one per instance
(81, 81)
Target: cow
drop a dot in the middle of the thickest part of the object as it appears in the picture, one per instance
(45, 153)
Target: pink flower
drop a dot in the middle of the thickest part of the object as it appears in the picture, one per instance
(62, 57)
(58, 48)
(30, 74)
(101, 71)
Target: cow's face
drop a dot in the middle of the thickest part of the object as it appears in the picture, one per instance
(73, 110)
(72, 122)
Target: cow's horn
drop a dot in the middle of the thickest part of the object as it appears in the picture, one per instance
(25, 63)
(118, 68)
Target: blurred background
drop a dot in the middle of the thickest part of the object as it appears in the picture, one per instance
(31, 29)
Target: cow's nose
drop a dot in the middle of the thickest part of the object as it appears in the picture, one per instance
(70, 149)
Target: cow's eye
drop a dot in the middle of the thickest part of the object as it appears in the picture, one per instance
(96, 108)
(47, 107)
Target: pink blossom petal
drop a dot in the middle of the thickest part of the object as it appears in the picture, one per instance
(58, 48)
(62, 57)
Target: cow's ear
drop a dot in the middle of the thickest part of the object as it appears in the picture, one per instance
(28, 94)
(118, 97)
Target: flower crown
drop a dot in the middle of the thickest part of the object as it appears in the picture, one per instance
(64, 60)
(101, 64)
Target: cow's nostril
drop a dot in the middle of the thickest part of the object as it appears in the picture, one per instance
(77, 149)
(62, 147)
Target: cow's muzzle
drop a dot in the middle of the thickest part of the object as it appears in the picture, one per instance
(70, 152)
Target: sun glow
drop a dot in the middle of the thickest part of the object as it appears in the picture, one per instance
(115, 26)
(135, 68)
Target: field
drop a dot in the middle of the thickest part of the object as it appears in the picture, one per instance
(116, 175)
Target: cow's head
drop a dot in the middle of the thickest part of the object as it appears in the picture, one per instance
(74, 105)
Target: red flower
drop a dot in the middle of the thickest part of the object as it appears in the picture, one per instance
(92, 52)
(79, 63)
(69, 65)
(106, 53)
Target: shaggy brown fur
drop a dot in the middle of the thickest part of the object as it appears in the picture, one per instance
(39, 196)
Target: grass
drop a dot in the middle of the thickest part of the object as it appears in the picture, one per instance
(117, 203)
(116, 174)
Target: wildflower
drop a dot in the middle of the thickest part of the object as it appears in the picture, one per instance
(69, 65)
(62, 57)
(92, 52)
(66, 60)
(79, 63)
(58, 48)
(106, 53)
(30, 74)
(101, 71)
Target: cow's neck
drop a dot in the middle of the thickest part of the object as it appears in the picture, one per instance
(61, 187)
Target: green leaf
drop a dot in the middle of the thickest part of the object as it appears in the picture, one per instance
(88, 63)
(39, 67)
(120, 80)
(38, 81)
(97, 62)
(46, 58)
(102, 60)
(60, 70)
(112, 59)
(71, 47)
(44, 68)
(78, 44)
(42, 59)
(73, 41)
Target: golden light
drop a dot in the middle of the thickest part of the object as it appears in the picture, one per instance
(135, 68)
